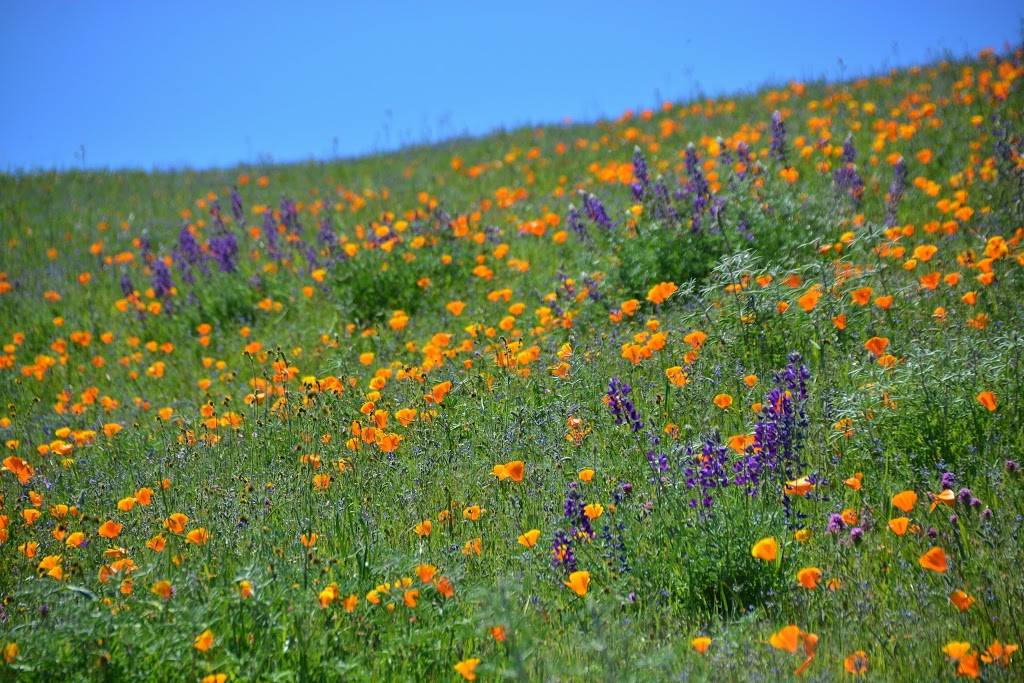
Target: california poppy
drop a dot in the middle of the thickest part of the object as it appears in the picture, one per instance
(857, 663)
(467, 668)
(766, 549)
(808, 577)
(905, 500)
(987, 399)
(579, 582)
(204, 641)
(529, 538)
(934, 560)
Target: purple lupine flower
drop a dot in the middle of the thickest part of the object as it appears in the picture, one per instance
(237, 212)
(743, 154)
(641, 174)
(595, 210)
(613, 540)
(743, 228)
(663, 209)
(326, 235)
(778, 435)
(778, 144)
(218, 220)
(270, 234)
(707, 471)
(696, 186)
(835, 523)
(188, 250)
(724, 155)
(575, 222)
(224, 248)
(896, 189)
(948, 479)
(145, 246)
(856, 534)
(846, 178)
(290, 215)
(127, 289)
(621, 406)
(574, 511)
(593, 288)
(657, 461)
(561, 552)
(162, 282)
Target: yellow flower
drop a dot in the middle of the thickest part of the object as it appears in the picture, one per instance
(204, 641)
(766, 549)
(529, 539)
(579, 581)
(467, 668)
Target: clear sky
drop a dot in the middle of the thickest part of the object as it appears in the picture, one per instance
(201, 84)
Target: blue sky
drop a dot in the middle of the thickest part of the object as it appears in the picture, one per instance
(204, 84)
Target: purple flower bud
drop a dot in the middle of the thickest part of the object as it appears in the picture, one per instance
(948, 478)
(856, 534)
(778, 144)
(896, 189)
(986, 514)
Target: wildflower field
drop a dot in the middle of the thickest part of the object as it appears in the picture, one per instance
(723, 390)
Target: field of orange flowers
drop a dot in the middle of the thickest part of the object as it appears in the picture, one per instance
(725, 389)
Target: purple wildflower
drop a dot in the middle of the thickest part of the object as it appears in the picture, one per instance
(224, 248)
(896, 189)
(778, 145)
(237, 212)
(641, 174)
(576, 224)
(621, 406)
(127, 288)
(162, 282)
(595, 211)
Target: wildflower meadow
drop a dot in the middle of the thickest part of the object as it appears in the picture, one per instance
(724, 389)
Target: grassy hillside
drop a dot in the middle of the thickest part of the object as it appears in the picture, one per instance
(728, 390)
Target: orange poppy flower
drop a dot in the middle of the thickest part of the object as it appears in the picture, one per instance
(529, 538)
(962, 600)
(579, 582)
(905, 500)
(808, 577)
(787, 638)
(934, 560)
(467, 668)
(987, 399)
(876, 345)
(857, 663)
(766, 549)
(898, 525)
(204, 641)
(110, 529)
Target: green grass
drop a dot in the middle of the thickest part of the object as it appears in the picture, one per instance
(278, 390)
